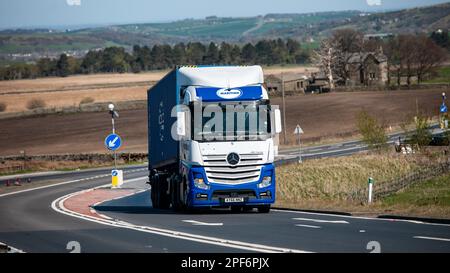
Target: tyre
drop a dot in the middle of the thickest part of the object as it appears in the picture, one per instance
(264, 209)
(154, 194)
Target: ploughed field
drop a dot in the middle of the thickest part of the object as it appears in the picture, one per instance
(322, 117)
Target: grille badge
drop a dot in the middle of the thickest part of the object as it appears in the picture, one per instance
(233, 158)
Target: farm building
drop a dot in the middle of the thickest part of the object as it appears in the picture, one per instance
(293, 83)
(367, 68)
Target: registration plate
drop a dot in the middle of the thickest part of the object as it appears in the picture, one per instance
(234, 200)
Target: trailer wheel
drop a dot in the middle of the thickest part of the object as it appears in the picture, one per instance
(264, 209)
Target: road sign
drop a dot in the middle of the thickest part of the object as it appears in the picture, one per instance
(298, 130)
(117, 178)
(443, 108)
(113, 142)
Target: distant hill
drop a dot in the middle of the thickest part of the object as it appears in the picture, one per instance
(307, 28)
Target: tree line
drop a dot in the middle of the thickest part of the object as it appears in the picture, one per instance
(408, 55)
(144, 58)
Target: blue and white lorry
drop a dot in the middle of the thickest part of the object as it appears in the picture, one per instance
(212, 139)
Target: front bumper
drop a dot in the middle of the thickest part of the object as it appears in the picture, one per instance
(217, 192)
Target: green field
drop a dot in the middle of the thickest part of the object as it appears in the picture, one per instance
(434, 192)
(443, 76)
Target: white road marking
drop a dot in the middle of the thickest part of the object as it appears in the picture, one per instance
(432, 238)
(198, 223)
(58, 205)
(67, 182)
(11, 249)
(308, 226)
(356, 217)
(362, 231)
(321, 221)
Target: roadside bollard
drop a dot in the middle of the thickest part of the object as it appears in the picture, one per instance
(370, 189)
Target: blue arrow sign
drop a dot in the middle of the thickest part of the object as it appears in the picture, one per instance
(443, 108)
(113, 142)
(114, 173)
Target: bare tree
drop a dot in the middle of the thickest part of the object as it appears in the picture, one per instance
(345, 42)
(324, 58)
(427, 56)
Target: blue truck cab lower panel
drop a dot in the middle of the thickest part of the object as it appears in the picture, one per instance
(215, 195)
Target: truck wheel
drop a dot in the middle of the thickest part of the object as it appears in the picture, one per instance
(264, 209)
(163, 198)
(154, 194)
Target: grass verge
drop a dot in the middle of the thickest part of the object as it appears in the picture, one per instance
(328, 184)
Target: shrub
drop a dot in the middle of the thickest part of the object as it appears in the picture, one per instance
(35, 103)
(86, 100)
(371, 130)
(2, 106)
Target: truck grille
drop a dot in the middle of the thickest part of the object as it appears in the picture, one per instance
(219, 171)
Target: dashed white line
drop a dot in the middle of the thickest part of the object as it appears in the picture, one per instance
(198, 223)
(321, 221)
(308, 226)
(432, 238)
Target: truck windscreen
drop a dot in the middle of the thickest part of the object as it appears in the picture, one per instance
(231, 121)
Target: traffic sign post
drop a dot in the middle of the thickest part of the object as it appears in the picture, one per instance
(112, 143)
(298, 131)
(443, 113)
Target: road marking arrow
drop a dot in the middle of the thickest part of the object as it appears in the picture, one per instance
(112, 143)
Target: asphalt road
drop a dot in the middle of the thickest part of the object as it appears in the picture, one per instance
(29, 223)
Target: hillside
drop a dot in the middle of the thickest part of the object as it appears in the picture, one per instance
(31, 44)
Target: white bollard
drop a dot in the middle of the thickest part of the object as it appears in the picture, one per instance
(370, 189)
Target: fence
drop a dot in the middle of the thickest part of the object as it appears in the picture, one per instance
(383, 189)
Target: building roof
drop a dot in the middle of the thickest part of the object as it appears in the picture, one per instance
(357, 57)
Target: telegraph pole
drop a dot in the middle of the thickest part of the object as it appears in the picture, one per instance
(284, 108)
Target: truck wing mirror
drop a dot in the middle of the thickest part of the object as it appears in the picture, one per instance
(278, 128)
(181, 123)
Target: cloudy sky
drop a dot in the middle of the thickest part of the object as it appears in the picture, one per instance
(54, 13)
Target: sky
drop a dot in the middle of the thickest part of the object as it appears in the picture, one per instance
(61, 13)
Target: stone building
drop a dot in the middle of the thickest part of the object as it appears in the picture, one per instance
(367, 68)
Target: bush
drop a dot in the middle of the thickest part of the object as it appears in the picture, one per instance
(35, 103)
(2, 107)
(421, 134)
(372, 131)
(86, 100)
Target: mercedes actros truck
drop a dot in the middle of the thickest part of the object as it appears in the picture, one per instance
(212, 139)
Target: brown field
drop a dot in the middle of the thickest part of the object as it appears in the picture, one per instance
(52, 83)
(69, 91)
(321, 117)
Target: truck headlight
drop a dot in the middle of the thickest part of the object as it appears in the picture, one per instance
(266, 181)
(200, 183)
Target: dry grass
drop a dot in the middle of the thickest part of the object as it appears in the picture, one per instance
(17, 102)
(92, 83)
(35, 103)
(336, 178)
(325, 184)
(77, 81)
(87, 100)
